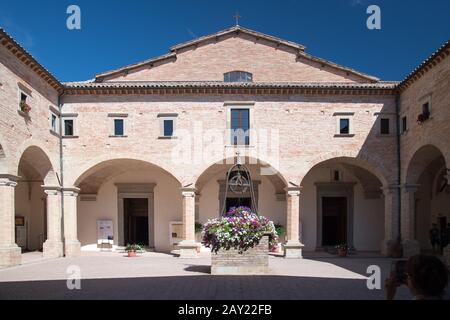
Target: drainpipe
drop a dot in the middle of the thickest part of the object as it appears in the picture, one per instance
(399, 167)
(61, 167)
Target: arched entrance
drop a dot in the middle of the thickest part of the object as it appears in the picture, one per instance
(426, 199)
(38, 204)
(343, 203)
(137, 200)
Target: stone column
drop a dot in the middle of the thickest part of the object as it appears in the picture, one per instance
(10, 253)
(391, 219)
(188, 247)
(72, 245)
(293, 248)
(411, 246)
(53, 247)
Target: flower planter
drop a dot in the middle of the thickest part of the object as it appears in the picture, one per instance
(132, 254)
(254, 261)
(342, 253)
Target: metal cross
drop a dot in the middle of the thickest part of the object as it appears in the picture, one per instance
(237, 17)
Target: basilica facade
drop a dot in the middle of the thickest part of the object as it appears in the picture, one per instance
(140, 154)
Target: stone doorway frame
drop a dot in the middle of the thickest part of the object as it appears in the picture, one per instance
(330, 190)
(136, 191)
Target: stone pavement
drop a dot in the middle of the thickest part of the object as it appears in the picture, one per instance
(160, 276)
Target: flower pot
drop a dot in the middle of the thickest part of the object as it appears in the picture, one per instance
(132, 254)
(342, 253)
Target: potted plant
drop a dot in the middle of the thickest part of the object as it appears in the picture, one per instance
(240, 242)
(132, 250)
(24, 107)
(423, 117)
(342, 250)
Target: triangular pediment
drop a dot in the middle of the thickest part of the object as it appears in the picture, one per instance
(208, 58)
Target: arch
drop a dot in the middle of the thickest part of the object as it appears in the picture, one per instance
(420, 160)
(278, 180)
(35, 164)
(355, 161)
(94, 177)
(74, 177)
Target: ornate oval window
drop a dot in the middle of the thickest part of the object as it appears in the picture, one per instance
(238, 76)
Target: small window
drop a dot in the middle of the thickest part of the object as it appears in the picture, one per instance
(118, 128)
(68, 128)
(240, 127)
(344, 127)
(54, 123)
(23, 103)
(336, 176)
(168, 128)
(23, 97)
(238, 76)
(426, 109)
(404, 124)
(385, 126)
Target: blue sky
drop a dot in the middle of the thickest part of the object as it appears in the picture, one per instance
(116, 33)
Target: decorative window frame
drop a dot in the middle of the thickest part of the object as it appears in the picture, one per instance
(230, 105)
(428, 98)
(167, 116)
(344, 115)
(22, 89)
(55, 112)
(118, 116)
(70, 116)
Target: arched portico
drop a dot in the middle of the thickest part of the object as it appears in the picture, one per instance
(138, 198)
(348, 200)
(32, 206)
(274, 199)
(425, 197)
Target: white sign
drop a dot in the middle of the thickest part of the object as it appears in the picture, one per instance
(105, 231)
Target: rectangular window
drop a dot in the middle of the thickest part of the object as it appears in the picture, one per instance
(118, 127)
(168, 128)
(344, 126)
(68, 128)
(426, 109)
(404, 124)
(240, 127)
(54, 123)
(385, 126)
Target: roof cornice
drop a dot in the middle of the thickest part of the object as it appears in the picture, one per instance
(212, 87)
(437, 57)
(18, 51)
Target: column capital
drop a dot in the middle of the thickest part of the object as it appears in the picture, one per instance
(293, 191)
(188, 192)
(390, 188)
(71, 192)
(8, 180)
(52, 190)
(410, 188)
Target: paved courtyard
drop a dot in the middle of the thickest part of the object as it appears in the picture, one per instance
(161, 276)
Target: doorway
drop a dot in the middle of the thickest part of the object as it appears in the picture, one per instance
(136, 222)
(238, 202)
(334, 221)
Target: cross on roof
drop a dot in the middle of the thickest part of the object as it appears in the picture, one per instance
(237, 17)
